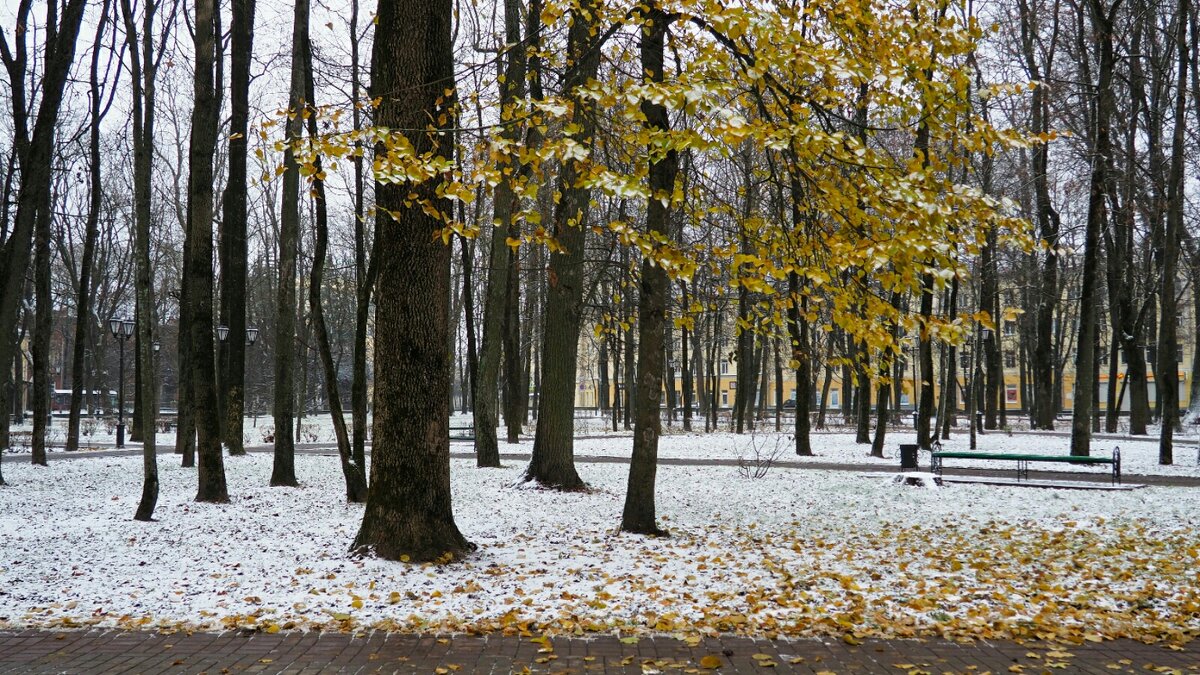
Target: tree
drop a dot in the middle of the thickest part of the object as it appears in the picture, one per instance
(1048, 220)
(500, 255)
(34, 153)
(639, 513)
(143, 69)
(1166, 371)
(232, 361)
(1085, 355)
(408, 514)
(284, 469)
(553, 461)
(353, 472)
(199, 264)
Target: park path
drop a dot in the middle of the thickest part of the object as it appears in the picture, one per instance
(107, 652)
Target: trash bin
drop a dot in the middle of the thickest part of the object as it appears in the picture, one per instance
(908, 456)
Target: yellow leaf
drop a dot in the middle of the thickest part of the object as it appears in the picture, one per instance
(712, 662)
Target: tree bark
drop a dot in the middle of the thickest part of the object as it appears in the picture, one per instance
(1048, 225)
(283, 472)
(83, 296)
(1167, 370)
(408, 514)
(353, 472)
(199, 279)
(142, 71)
(35, 153)
(639, 512)
(553, 461)
(233, 231)
(1085, 344)
(365, 273)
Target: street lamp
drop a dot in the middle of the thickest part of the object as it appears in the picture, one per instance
(222, 332)
(121, 329)
(251, 336)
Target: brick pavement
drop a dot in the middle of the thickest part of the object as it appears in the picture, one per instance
(99, 652)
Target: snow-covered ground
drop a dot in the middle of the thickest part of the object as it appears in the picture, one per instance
(797, 552)
(837, 446)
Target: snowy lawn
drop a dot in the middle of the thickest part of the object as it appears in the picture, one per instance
(798, 552)
(835, 446)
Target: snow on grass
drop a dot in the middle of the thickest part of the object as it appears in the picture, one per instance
(798, 552)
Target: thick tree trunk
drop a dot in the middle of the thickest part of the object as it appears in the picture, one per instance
(1166, 372)
(639, 514)
(1085, 344)
(283, 472)
(553, 460)
(199, 279)
(365, 272)
(497, 349)
(408, 514)
(233, 232)
(42, 325)
(35, 153)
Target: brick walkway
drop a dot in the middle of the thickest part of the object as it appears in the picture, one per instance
(112, 652)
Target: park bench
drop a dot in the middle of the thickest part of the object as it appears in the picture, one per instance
(463, 433)
(1023, 460)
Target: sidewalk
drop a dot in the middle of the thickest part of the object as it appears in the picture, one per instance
(112, 652)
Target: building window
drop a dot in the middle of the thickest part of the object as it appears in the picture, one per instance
(724, 368)
(733, 384)
(1010, 359)
(1010, 328)
(833, 398)
(724, 398)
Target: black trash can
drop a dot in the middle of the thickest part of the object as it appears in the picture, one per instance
(908, 456)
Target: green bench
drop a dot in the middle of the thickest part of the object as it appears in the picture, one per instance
(1024, 460)
(465, 433)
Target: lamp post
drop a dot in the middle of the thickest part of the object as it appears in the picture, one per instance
(251, 338)
(121, 329)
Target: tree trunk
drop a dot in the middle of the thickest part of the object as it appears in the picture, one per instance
(233, 232)
(365, 272)
(199, 279)
(35, 153)
(354, 473)
(143, 71)
(1048, 225)
(1085, 344)
(801, 354)
(501, 266)
(1167, 370)
(42, 325)
(283, 472)
(685, 363)
(639, 515)
(553, 460)
(408, 514)
(83, 296)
